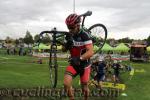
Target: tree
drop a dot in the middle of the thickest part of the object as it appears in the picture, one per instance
(125, 40)
(8, 40)
(148, 41)
(46, 39)
(112, 42)
(36, 38)
(28, 39)
(21, 40)
(17, 42)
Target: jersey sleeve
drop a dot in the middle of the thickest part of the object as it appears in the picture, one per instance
(86, 38)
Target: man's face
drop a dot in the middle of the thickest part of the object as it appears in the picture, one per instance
(74, 29)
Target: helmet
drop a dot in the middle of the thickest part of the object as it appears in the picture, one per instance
(72, 19)
(101, 58)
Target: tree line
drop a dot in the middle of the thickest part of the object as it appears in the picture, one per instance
(29, 39)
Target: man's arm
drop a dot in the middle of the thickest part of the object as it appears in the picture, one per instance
(89, 52)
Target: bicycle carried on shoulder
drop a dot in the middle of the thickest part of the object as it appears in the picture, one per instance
(98, 33)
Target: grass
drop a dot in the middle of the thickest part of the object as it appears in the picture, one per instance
(21, 72)
(138, 87)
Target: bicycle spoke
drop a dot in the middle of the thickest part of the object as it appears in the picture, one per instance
(99, 35)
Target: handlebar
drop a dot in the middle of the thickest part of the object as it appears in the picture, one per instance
(53, 32)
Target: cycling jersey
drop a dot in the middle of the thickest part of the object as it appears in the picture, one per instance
(101, 68)
(100, 76)
(80, 41)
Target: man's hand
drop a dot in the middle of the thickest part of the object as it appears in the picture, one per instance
(68, 37)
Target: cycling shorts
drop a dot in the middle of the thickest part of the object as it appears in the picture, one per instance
(100, 77)
(84, 78)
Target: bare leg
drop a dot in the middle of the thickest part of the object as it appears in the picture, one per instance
(100, 87)
(114, 78)
(68, 86)
(85, 90)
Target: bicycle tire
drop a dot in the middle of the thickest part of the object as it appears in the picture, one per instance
(99, 40)
(53, 66)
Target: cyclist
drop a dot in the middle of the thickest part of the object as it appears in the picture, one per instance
(100, 76)
(116, 66)
(80, 46)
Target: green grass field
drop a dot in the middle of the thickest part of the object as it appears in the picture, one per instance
(21, 72)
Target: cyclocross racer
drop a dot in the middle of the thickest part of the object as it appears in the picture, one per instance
(80, 46)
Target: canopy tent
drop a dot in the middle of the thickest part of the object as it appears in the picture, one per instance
(107, 47)
(41, 46)
(121, 48)
(96, 48)
(148, 48)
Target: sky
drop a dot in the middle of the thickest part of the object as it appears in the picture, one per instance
(123, 18)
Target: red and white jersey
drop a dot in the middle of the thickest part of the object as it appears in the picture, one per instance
(79, 42)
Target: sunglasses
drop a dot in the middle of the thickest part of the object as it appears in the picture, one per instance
(73, 27)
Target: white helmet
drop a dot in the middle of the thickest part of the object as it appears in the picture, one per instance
(115, 61)
(100, 58)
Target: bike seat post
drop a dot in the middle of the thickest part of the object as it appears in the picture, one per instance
(83, 21)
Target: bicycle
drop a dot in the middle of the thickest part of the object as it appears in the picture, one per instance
(95, 31)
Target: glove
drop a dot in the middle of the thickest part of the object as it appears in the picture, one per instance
(69, 43)
(68, 37)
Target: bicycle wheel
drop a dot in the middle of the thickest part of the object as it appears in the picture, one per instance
(53, 66)
(99, 35)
